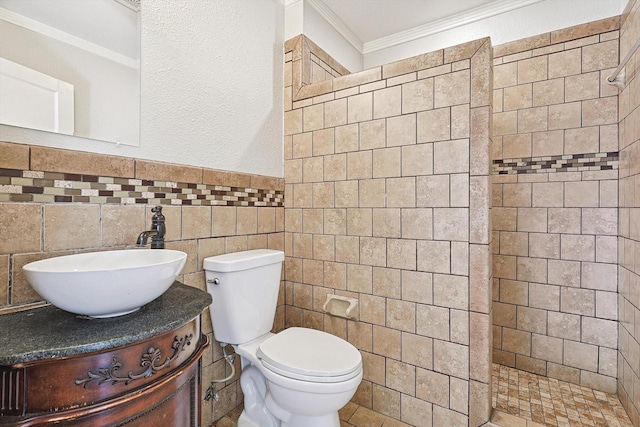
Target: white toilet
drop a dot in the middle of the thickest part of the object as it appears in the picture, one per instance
(297, 378)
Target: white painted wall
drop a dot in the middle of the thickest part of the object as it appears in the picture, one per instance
(293, 19)
(211, 88)
(301, 17)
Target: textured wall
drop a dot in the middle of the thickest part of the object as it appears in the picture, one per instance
(555, 161)
(386, 176)
(211, 84)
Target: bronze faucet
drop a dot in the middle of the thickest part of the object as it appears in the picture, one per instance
(157, 231)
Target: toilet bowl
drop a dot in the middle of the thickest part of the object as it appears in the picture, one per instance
(306, 382)
(296, 378)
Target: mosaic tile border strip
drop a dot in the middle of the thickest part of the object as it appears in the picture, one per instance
(18, 185)
(551, 164)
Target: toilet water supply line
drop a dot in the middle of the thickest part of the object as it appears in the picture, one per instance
(211, 391)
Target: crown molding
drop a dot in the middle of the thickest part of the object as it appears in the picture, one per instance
(467, 17)
(54, 33)
(336, 23)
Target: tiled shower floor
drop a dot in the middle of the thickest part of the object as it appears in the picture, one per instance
(554, 403)
(521, 399)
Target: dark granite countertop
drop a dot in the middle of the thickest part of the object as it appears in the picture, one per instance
(49, 332)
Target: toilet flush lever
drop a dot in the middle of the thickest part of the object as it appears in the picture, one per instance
(215, 281)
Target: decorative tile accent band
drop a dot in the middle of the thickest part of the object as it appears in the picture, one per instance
(50, 187)
(551, 164)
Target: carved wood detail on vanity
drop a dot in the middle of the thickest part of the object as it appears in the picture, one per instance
(149, 361)
(153, 381)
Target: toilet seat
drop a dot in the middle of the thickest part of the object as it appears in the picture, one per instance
(310, 355)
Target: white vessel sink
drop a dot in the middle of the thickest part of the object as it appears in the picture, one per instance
(105, 284)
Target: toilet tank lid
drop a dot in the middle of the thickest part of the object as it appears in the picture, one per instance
(238, 261)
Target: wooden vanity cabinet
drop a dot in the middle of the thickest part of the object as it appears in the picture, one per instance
(152, 382)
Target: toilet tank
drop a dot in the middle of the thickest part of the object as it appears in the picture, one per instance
(246, 293)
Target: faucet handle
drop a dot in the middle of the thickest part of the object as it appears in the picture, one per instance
(157, 215)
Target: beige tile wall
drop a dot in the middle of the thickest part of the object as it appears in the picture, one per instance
(386, 176)
(33, 230)
(555, 231)
(629, 220)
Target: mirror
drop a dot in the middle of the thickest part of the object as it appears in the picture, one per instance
(71, 67)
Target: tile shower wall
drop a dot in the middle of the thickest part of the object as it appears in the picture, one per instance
(555, 198)
(629, 221)
(386, 176)
(57, 202)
